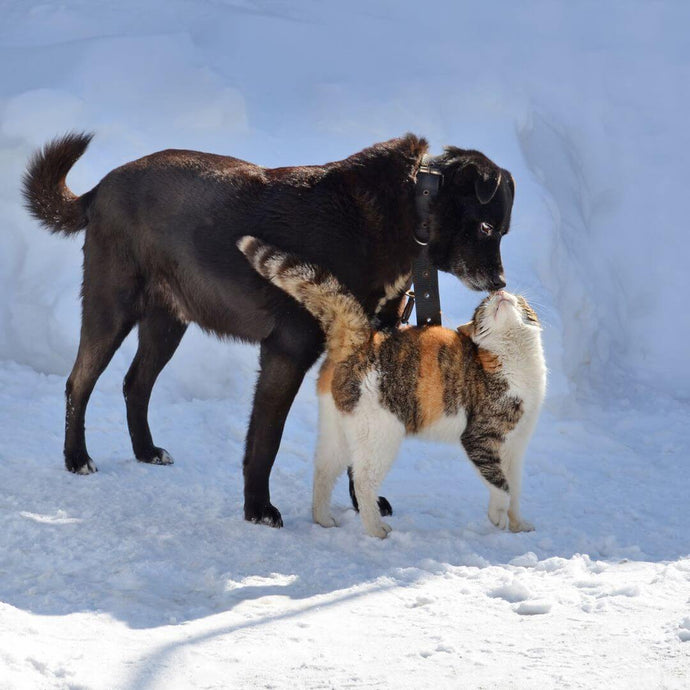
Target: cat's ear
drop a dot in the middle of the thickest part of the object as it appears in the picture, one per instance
(467, 329)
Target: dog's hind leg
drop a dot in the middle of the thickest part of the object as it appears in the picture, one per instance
(97, 345)
(108, 315)
(159, 335)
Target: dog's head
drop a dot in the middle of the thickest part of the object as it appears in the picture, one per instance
(471, 215)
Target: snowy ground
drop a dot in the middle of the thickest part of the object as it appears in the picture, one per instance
(147, 577)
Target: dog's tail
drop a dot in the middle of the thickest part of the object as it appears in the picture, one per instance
(46, 196)
(341, 316)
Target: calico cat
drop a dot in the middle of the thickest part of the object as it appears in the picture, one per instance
(481, 385)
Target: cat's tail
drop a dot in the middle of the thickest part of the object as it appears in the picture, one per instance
(341, 316)
(46, 195)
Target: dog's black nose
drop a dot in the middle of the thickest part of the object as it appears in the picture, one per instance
(497, 281)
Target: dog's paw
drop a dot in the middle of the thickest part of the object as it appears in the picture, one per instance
(498, 516)
(158, 456)
(266, 514)
(80, 465)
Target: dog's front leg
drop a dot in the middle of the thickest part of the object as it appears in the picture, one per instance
(286, 355)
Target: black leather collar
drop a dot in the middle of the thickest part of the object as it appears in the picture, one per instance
(424, 275)
(429, 181)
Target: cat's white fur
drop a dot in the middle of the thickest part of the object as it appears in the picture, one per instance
(368, 439)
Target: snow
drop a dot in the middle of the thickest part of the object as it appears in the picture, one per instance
(147, 577)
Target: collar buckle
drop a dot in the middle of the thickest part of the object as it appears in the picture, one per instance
(428, 183)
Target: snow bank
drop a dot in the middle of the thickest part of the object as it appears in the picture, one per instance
(147, 577)
(583, 104)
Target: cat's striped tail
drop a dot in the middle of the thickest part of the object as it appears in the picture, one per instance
(341, 316)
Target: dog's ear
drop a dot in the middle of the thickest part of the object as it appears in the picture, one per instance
(511, 182)
(467, 329)
(486, 184)
(484, 178)
(472, 169)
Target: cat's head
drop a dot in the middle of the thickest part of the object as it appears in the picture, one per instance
(499, 315)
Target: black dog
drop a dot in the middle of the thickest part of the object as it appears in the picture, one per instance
(159, 251)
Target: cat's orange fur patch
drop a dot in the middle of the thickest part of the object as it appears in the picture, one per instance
(488, 361)
(378, 338)
(430, 381)
(324, 385)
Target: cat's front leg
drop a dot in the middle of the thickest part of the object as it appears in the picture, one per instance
(482, 449)
(515, 520)
(517, 524)
(498, 507)
(513, 454)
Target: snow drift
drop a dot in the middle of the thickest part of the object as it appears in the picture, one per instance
(585, 108)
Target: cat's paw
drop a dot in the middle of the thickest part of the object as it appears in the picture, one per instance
(381, 530)
(498, 516)
(325, 521)
(520, 525)
(499, 503)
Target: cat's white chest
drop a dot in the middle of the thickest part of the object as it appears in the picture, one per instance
(527, 382)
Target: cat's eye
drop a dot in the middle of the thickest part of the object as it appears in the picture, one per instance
(486, 228)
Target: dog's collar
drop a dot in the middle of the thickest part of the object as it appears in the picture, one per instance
(425, 297)
(428, 182)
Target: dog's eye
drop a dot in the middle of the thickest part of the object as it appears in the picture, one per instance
(486, 228)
